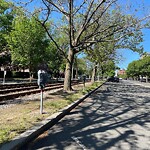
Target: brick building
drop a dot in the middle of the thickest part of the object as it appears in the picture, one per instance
(122, 72)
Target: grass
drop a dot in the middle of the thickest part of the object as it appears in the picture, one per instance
(20, 117)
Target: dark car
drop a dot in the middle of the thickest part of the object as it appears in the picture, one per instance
(116, 79)
(113, 79)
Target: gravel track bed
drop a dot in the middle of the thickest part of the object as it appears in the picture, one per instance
(32, 97)
(23, 99)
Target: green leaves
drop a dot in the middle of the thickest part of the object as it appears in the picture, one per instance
(6, 18)
(27, 41)
(5, 22)
(139, 68)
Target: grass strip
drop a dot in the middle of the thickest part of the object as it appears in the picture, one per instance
(22, 116)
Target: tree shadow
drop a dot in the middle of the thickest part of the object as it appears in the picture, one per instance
(103, 121)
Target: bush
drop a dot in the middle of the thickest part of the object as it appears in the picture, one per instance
(14, 74)
(8, 74)
(20, 74)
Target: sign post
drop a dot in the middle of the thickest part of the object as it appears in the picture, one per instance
(42, 79)
(4, 76)
(84, 78)
(41, 103)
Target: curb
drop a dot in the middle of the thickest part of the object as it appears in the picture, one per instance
(44, 125)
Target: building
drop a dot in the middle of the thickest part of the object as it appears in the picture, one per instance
(122, 72)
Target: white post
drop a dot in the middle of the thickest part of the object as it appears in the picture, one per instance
(4, 76)
(41, 104)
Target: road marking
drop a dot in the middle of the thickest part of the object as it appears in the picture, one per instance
(78, 142)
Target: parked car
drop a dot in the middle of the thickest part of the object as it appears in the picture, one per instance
(113, 79)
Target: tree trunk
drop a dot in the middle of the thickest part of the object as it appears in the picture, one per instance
(94, 74)
(68, 71)
(76, 68)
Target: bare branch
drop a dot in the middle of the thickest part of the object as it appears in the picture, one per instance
(98, 18)
(89, 18)
(60, 9)
(48, 12)
(85, 22)
(77, 9)
(25, 3)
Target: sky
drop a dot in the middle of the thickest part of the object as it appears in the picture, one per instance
(128, 55)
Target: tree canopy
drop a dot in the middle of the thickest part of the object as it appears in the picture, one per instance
(74, 27)
(27, 41)
(6, 17)
(139, 68)
(88, 22)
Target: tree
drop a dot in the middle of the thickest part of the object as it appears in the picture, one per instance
(82, 66)
(101, 54)
(139, 68)
(85, 23)
(145, 67)
(133, 69)
(27, 42)
(109, 68)
(54, 60)
(6, 17)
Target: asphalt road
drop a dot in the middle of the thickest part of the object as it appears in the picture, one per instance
(115, 117)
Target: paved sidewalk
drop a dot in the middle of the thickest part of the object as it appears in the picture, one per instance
(116, 117)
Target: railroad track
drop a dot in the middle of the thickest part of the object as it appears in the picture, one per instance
(18, 89)
(7, 94)
(16, 85)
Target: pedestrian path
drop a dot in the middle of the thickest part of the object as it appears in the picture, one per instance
(115, 117)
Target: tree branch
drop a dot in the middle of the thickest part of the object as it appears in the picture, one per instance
(60, 9)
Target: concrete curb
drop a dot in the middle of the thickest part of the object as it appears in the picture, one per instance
(44, 125)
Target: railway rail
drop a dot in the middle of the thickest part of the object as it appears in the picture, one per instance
(23, 90)
(9, 86)
(15, 85)
(5, 91)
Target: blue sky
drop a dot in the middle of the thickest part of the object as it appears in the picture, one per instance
(128, 55)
